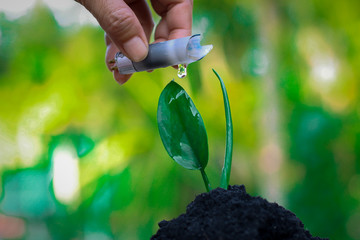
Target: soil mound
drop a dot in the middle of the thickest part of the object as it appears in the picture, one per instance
(233, 214)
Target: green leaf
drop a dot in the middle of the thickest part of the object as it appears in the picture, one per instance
(181, 128)
(225, 175)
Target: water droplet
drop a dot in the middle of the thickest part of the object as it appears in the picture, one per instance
(181, 70)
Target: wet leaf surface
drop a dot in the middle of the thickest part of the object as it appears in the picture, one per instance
(181, 128)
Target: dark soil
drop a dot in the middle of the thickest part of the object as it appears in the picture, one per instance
(233, 214)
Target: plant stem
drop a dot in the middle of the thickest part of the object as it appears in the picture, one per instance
(225, 175)
(206, 180)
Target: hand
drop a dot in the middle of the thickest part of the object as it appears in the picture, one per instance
(128, 25)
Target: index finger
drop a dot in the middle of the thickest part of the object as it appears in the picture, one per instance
(176, 19)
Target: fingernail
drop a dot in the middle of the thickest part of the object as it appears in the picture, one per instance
(136, 49)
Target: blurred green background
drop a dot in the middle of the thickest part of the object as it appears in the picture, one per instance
(81, 157)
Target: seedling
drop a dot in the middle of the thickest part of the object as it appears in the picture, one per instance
(183, 133)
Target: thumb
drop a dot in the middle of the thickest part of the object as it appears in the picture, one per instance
(122, 26)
